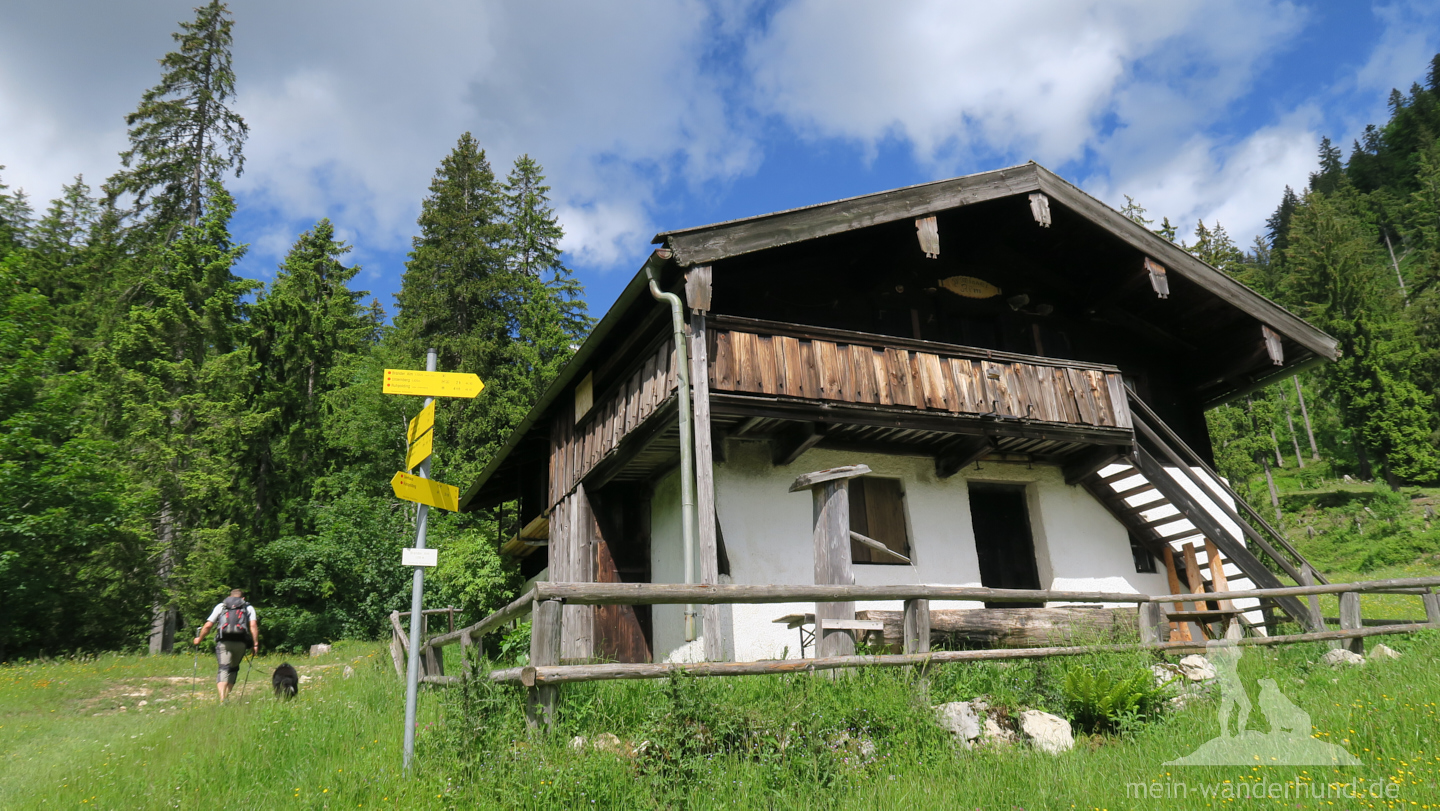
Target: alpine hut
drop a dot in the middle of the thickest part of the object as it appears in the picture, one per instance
(1020, 372)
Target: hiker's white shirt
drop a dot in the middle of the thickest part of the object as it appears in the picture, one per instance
(220, 609)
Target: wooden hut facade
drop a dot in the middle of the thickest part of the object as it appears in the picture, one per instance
(1023, 370)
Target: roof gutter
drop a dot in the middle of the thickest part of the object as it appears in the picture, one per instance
(638, 286)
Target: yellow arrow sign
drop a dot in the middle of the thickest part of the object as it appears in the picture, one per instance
(423, 422)
(419, 450)
(426, 491)
(432, 384)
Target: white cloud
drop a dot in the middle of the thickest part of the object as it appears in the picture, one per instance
(1235, 184)
(352, 105)
(1013, 80)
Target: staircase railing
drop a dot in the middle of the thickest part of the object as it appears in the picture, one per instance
(1168, 443)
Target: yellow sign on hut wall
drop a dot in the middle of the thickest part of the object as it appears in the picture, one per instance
(970, 287)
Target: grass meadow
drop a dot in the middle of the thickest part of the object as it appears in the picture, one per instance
(122, 732)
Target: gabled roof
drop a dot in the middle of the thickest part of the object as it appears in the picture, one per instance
(707, 244)
(710, 243)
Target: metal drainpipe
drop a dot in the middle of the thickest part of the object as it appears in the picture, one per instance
(687, 460)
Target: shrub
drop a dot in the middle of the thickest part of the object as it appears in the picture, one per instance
(1099, 701)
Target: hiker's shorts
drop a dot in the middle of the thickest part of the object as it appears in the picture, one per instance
(229, 654)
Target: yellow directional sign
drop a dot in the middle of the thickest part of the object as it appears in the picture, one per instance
(432, 384)
(426, 491)
(419, 450)
(423, 422)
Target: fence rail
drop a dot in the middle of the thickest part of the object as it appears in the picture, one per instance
(546, 673)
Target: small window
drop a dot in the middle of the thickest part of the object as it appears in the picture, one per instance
(1144, 561)
(877, 510)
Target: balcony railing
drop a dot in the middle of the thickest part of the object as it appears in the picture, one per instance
(836, 366)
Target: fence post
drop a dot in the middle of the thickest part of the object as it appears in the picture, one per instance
(1153, 623)
(1432, 608)
(917, 626)
(544, 650)
(465, 643)
(1307, 578)
(1350, 620)
(830, 490)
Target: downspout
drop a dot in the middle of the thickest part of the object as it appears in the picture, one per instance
(687, 460)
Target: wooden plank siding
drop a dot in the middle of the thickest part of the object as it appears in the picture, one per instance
(576, 447)
(869, 369)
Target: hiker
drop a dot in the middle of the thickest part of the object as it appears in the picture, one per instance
(238, 632)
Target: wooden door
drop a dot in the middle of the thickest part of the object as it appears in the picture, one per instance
(618, 635)
(1003, 543)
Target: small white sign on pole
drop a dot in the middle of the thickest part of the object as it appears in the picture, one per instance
(419, 557)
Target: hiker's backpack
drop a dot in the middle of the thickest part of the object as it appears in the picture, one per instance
(235, 621)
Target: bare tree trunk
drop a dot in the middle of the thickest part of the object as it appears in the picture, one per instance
(1275, 443)
(1403, 294)
(163, 616)
(1305, 415)
(1365, 472)
(1274, 493)
(1294, 437)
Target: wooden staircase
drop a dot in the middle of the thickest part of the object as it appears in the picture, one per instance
(1190, 520)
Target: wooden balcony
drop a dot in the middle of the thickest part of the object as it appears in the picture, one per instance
(840, 378)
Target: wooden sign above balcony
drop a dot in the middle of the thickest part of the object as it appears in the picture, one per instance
(970, 287)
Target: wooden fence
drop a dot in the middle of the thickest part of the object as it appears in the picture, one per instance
(545, 672)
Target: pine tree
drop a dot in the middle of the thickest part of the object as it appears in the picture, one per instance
(462, 296)
(15, 214)
(1331, 173)
(1278, 225)
(305, 324)
(1336, 270)
(172, 384)
(184, 135)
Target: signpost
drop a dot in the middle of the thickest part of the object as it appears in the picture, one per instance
(431, 383)
(426, 492)
(419, 443)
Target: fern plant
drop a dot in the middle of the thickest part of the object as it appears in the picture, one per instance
(1099, 701)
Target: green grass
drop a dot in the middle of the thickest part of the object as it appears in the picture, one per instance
(752, 742)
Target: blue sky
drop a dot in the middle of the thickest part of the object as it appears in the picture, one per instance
(657, 114)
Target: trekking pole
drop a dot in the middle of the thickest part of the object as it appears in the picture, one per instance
(247, 674)
(195, 671)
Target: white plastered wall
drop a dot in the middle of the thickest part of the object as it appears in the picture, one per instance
(767, 533)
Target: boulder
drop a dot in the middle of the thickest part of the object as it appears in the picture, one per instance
(961, 719)
(348, 671)
(1197, 668)
(1047, 732)
(1340, 656)
(318, 650)
(1384, 652)
(609, 742)
(577, 743)
(996, 735)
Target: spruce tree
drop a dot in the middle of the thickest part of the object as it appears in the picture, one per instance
(184, 135)
(1337, 271)
(461, 295)
(305, 324)
(15, 214)
(173, 379)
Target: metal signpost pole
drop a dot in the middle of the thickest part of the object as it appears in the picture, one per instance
(412, 671)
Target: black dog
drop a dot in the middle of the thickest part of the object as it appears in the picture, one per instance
(286, 681)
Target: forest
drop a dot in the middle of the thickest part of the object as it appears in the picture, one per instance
(169, 430)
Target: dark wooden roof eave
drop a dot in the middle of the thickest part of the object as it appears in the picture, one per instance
(710, 243)
(482, 493)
